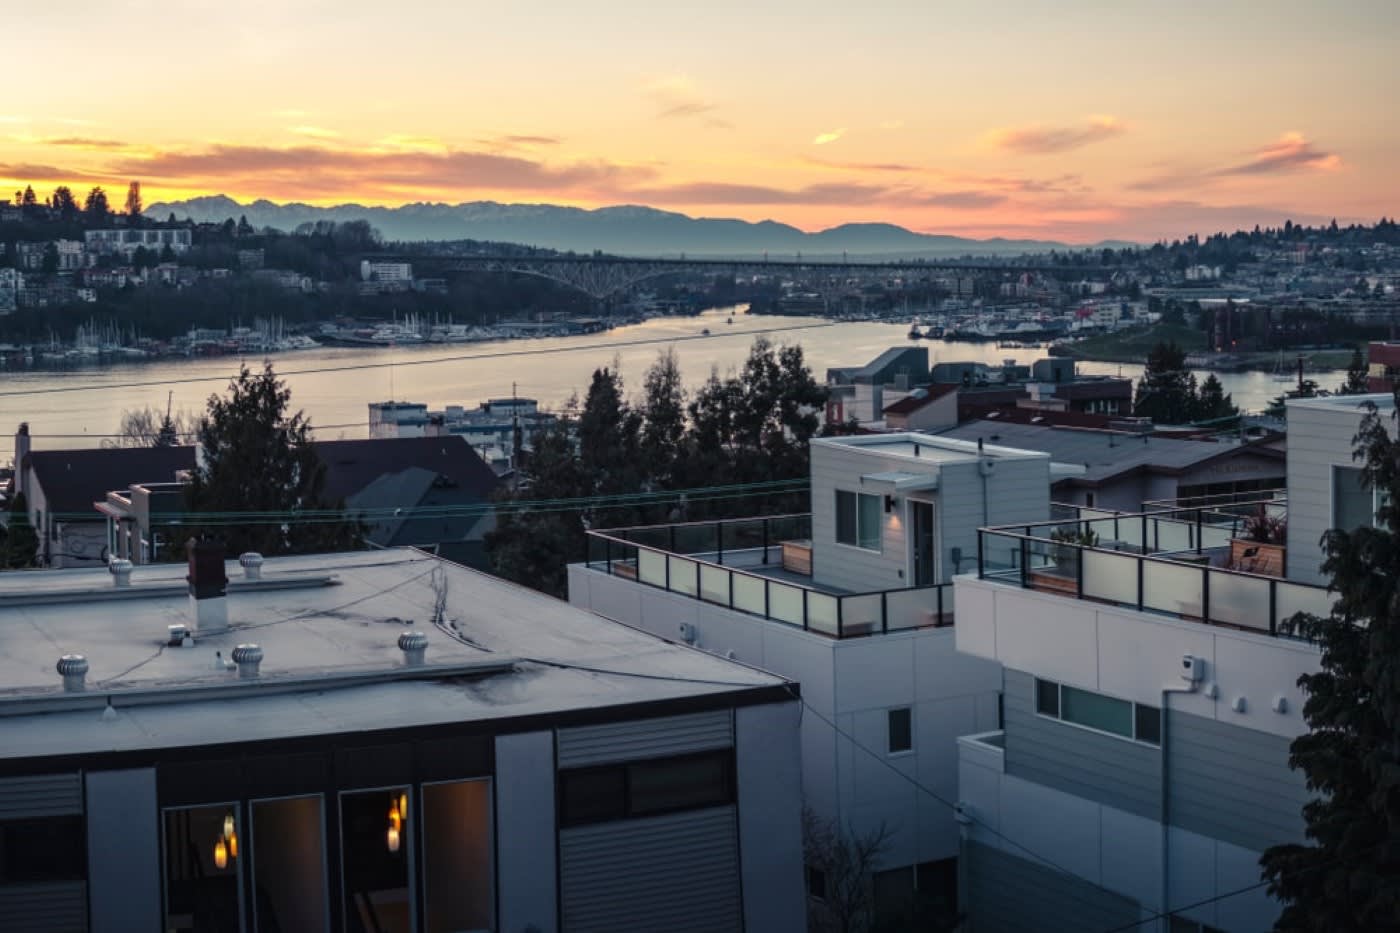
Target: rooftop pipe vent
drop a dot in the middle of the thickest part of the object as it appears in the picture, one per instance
(178, 635)
(252, 563)
(74, 668)
(120, 569)
(248, 657)
(413, 645)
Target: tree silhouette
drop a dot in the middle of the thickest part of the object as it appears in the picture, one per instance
(1346, 879)
(21, 541)
(95, 207)
(133, 201)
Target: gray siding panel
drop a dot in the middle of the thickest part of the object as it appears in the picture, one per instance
(41, 795)
(57, 907)
(645, 738)
(1101, 768)
(668, 873)
(1232, 783)
(1007, 894)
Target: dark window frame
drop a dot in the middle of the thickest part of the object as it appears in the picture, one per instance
(628, 808)
(1139, 713)
(890, 729)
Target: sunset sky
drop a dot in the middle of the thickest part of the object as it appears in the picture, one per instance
(1079, 120)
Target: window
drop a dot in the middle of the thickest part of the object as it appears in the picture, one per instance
(816, 883)
(45, 849)
(1136, 721)
(901, 730)
(376, 845)
(204, 860)
(459, 884)
(1353, 505)
(645, 788)
(289, 865)
(858, 519)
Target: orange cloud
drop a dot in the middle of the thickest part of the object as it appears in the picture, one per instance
(1291, 152)
(1040, 140)
(821, 139)
(82, 142)
(678, 96)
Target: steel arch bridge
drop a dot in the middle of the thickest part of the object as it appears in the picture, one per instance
(602, 277)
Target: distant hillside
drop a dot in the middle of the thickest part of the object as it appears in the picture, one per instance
(626, 230)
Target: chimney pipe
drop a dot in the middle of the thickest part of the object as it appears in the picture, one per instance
(21, 451)
(120, 569)
(248, 657)
(413, 645)
(74, 668)
(252, 563)
(208, 585)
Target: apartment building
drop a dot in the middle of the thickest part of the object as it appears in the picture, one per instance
(854, 601)
(1150, 699)
(378, 741)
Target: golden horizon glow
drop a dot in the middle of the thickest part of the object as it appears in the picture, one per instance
(1075, 121)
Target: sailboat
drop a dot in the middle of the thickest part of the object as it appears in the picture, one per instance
(1281, 371)
(914, 332)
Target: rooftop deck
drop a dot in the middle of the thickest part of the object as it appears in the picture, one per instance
(1184, 563)
(763, 567)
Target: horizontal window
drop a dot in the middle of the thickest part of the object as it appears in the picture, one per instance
(645, 788)
(1136, 721)
(48, 849)
(858, 519)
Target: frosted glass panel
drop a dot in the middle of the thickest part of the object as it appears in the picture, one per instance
(785, 603)
(651, 567)
(1239, 600)
(1171, 587)
(821, 613)
(860, 615)
(748, 594)
(684, 576)
(714, 584)
(1111, 577)
(1293, 598)
(1170, 535)
(908, 609)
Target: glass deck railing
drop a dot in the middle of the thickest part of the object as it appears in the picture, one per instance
(1168, 562)
(727, 563)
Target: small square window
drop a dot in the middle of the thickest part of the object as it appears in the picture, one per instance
(1047, 697)
(901, 729)
(1148, 720)
(816, 883)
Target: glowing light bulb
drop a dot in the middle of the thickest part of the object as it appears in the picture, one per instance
(403, 806)
(395, 820)
(220, 854)
(233, 845)
(393, 840)
(228, 825)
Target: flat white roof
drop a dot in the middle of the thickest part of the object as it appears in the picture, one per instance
(331, 659)
(1382, 400)
(926, 448)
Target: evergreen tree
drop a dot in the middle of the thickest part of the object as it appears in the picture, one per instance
(1356, 383)
(64, 202)
(133, 201)
(1346, 879)
(96, 207)
(28, 199)
(608, 436)
(258, 458)
(21, 540)
(1213, 402)
(1167, 391)
(663, 427)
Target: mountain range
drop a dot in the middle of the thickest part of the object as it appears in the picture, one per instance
(625, 230)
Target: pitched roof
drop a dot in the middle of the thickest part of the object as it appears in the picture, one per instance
(351, 466)
(73, 480)
(919, 398)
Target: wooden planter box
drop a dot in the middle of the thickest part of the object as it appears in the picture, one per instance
(1054, 582)
(797, 557)
(1257, 557)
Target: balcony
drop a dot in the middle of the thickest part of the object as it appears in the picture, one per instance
(762, 567)
(1176, 562)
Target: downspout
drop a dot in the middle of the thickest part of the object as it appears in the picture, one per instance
(1164, 922)
(983, 471)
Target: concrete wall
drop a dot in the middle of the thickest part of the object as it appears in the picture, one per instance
(1011, 894)
(841, 565)
(1016, 491)
(526, 871)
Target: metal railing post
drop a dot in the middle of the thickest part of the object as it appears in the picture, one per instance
(940, 605)
(1273, 607)
(884, 613)
(667, 559)
(719, 540)
(804, 610)
(1025, 562)
(981, 562)
(765, 540)
(607, 552)
(672, 530)
(730, 575)
(1144, 541)
(840, 616)
(1141, 571)
(1205, 594)
(1079, 574)
(1198, 531)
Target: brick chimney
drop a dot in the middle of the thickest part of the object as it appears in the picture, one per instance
(21, 451)
(208, 585)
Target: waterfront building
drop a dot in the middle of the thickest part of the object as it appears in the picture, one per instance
(854, 601)
(1150, 696)
(379, 741)
(490, 427)
(386, 272)
(11, 284)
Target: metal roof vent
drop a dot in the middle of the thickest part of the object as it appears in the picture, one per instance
(248, 657)
(252, 563)
(178, 636)
(120, 569)
(74, 668)
(413, 645)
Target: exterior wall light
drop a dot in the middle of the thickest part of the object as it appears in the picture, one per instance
(889, 504)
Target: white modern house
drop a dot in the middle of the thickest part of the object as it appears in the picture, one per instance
(854, 602)
(378, 741)
(1150, 698)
